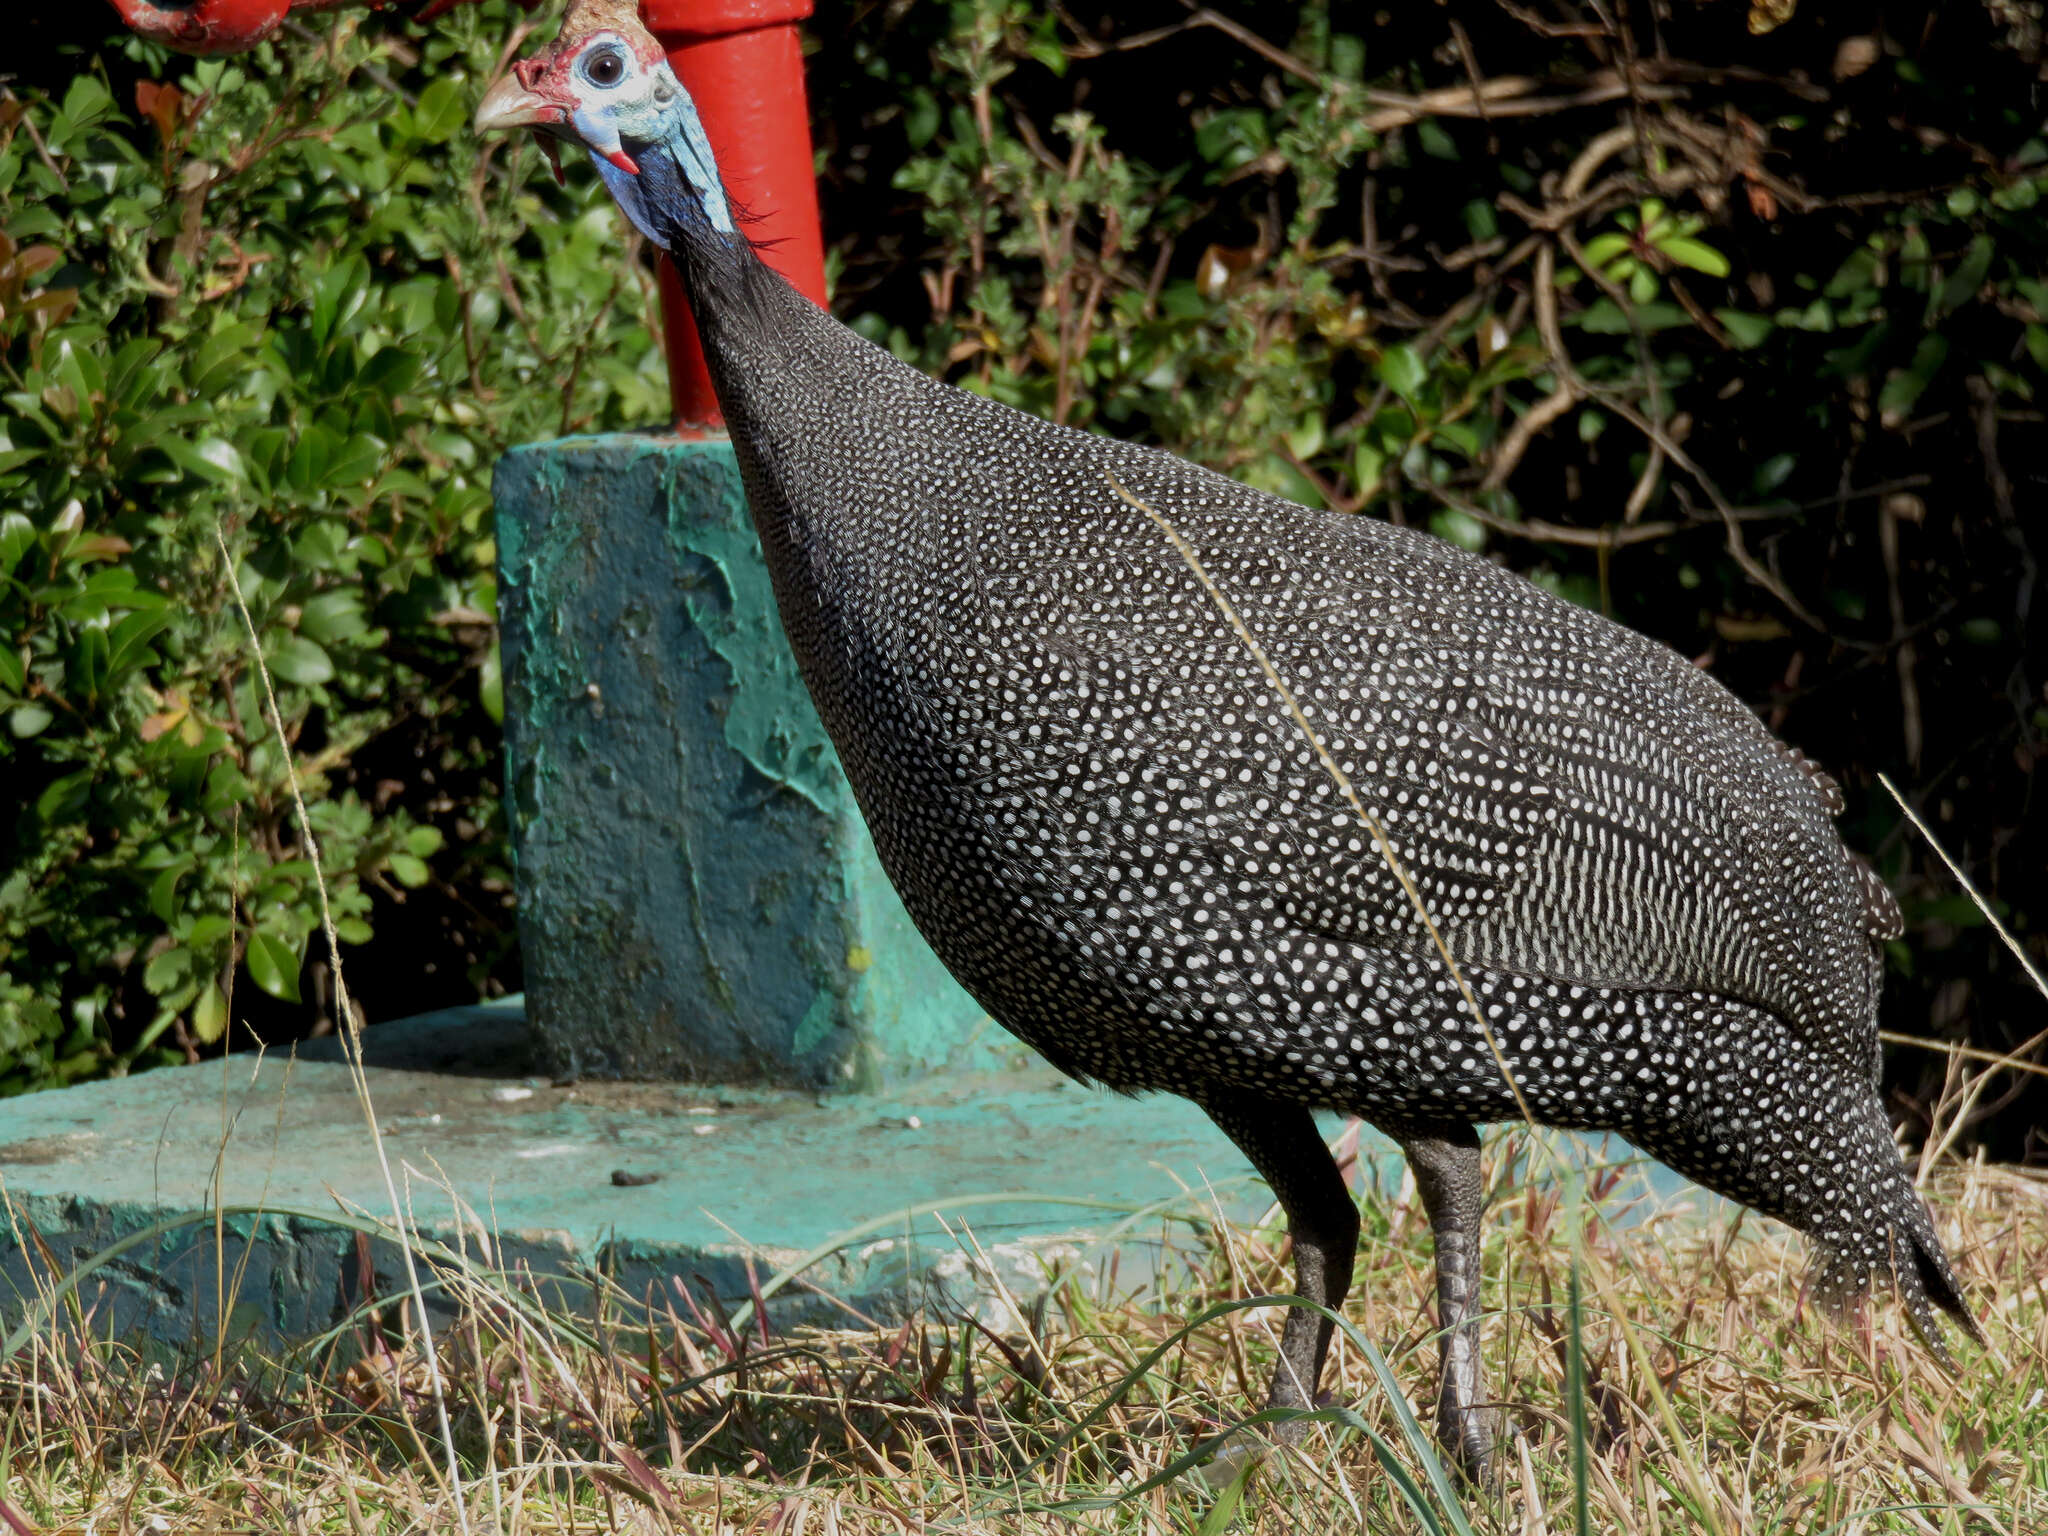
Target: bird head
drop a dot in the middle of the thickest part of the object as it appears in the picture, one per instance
(605, 84)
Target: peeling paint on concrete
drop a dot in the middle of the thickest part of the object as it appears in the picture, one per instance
(693, 873)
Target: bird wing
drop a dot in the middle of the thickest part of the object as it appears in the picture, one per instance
(1570, 799)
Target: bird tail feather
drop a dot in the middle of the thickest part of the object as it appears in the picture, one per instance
(1896, 1242)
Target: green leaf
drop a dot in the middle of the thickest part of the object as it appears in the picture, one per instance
(1306, 440)
(334, 616)
(1367, 465)
(491, 680)
(299, 660)
(163, 890)
(1904, 386)
(274, 966)
(921, 117)
(311, 455)
(167, 971)
(1435, 141)
(1774, 472)
(425, 841)
(1744, 329)
(221, 358)
(28, 720)
(409, 871)
(1968, 277)
(1221, 1515)
(1856, 275)
(1459, 528)
(128, 643)
(1603, 317)
(1402, 370)
(85, 666)
(17, 537)
(355, 463)
(209, 1015)
(341, 296)
(392, 371)
(1602, 249)
(1696, 254)
(442, 111)
(321, 544)
(205, 930)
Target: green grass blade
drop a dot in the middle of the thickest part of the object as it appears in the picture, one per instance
(1575, 1404)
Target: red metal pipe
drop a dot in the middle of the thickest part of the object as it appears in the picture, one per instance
(742, 62)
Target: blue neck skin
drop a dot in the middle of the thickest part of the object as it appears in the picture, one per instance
(677, 199)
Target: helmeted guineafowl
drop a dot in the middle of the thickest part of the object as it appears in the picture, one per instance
(1118, 725)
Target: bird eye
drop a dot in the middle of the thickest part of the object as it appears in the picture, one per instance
(605, 69)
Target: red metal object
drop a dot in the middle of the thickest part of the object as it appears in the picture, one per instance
(236, 26)
(742, 62)
(204, 26)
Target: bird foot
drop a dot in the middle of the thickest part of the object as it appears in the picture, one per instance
(1238, 1451)
(1472, 1436)
(1246, 1445)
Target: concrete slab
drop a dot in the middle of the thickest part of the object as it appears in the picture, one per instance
(639, 1181)
(244, 1198)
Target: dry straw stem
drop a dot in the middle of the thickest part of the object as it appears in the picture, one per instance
(1974, 1089)
(1337, 775)
(352, 1045)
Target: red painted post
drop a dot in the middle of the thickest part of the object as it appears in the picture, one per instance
(742, 62)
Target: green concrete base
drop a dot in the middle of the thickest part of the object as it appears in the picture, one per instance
(1041, 1173)
(698, 898)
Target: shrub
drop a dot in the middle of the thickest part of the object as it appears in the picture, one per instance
(290, 304)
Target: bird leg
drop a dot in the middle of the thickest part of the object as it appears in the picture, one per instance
(1284, 1145)
(1447, 1175)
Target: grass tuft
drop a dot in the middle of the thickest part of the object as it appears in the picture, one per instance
(1657, 1363)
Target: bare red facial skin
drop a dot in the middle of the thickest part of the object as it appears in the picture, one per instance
(546, 75)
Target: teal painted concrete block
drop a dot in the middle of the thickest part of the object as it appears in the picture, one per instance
(244, 1199)
(698, 898)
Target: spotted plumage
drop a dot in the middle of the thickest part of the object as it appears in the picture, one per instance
(1110, 825)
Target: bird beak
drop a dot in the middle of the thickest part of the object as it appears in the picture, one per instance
(508, 105)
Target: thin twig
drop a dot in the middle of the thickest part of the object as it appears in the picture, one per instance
(351, 1038)
(1969, 889)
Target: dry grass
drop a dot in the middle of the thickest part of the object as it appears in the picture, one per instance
(1709, 1403)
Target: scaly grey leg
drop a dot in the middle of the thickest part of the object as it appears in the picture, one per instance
(1445, 1158)
(1283, 1144)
